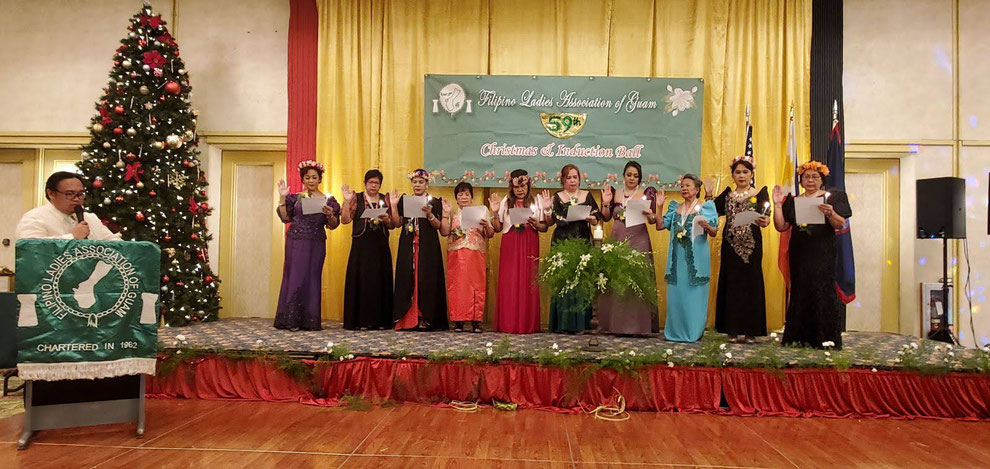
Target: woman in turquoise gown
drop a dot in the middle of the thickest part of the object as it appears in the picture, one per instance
(688, 262)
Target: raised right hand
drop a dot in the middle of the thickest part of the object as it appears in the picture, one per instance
(283, 188)
(494, 201)
(778, 195)
(348, 193)
(81, 230)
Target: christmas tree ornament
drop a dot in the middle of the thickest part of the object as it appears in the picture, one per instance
(119, 199)
(139, 216)
(118, 131)
(139, 185)
(165, 279)
(148, 106)
(194, 236)
(146, 67)
(189, 135)
(118, 109)
(119, 164)
(167, 238)
(127, 64)
(158, 145)
(130, 156)
(106, 145)
(132, 131)
(152, 193)
(182, 71)
(208, 279)
(173, 141)
(97, 128)
(97, 183)
(106, 201)
(173, 87)
(144, 90)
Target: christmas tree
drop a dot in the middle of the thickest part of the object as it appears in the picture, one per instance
(143, 166)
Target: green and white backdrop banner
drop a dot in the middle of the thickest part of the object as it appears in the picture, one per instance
(479, 127)
(88, 309)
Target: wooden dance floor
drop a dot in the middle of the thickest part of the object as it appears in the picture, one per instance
(220, 434)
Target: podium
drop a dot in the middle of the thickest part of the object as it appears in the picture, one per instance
(87, 326)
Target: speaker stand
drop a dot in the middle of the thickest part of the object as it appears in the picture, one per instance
(943, 333)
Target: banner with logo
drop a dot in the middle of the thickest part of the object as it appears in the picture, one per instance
(88, 309)
(480, 127)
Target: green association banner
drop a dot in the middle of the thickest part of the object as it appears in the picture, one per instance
(479, 127)
(88, 309)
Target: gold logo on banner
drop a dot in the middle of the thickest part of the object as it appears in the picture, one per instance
(563, 124)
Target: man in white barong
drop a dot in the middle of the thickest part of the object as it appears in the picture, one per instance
(59, 217)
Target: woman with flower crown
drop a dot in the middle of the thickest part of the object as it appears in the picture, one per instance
(467, 263)
(564, 316)
(299, 305)
(629, 314)
(688, 261)
(517, 301)
(368, 280)
(420, 289)
(814, 311)
(740, 304)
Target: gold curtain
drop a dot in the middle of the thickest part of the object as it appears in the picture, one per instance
(373, 55)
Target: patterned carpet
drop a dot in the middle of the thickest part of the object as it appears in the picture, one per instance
(862, 349)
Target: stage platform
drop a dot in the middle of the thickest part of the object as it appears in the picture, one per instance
(875, 375)
(862, 349)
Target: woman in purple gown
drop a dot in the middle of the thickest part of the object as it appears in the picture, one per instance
(305, 248)
(629, 314)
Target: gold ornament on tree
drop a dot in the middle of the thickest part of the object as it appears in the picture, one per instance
(176, 179)
(173, 141)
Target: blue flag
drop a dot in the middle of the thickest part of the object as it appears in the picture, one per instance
(845, 268)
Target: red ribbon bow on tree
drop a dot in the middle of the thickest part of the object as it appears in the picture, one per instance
(133, 171)
(193, 206)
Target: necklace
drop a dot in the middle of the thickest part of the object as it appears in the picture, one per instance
(572, 196)
(689, 211)
(743, 194)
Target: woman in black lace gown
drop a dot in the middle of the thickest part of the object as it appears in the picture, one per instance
(814, 312)
(564, 316)
(740, 304)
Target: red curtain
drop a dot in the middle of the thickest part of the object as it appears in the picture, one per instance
(795, 392)
(856, 393)
(302, 75)
(416, 380)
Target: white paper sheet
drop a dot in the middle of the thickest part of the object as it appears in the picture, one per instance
(806, 211)
(634, 212)
(745, 218)
(412, 206)
(519, 215)
(578, 212)
(696, 229)
(471, 217)
(373, 212)
(311, 205)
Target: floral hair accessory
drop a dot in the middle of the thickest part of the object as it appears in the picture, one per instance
(746, 158)
(815, 166)
(523, 180)
(311, 164)
(419, 173)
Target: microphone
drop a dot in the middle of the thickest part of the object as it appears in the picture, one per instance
(79, 213)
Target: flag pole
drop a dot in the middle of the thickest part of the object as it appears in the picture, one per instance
(835, 113)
